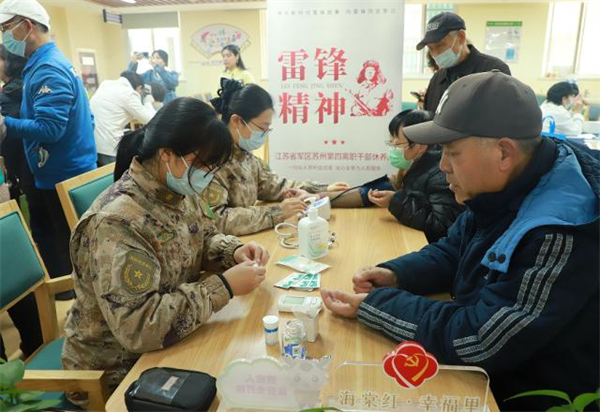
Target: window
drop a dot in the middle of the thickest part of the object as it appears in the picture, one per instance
(148, 40)
(571, 46)
(416, 17)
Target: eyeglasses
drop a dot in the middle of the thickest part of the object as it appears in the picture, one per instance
(391, 144)
(264, 132)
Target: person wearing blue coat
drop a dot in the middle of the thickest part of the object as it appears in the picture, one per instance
(159, 72)
(56, 124)
(521, 263)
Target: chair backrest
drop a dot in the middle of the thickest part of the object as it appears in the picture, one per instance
(21, 267)
(594, 112)
(540, 98)
(78, 193)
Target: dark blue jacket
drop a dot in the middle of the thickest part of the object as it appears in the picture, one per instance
(55, 118)
(522, 266)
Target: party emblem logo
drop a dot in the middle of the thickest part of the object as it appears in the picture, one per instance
(410, 365)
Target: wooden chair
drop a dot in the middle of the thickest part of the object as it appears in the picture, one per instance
(21, 273)
(78, 193)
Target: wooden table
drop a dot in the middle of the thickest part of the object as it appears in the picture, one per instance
(364, 237)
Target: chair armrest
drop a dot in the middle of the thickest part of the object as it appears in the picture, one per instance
(90, 382)
(60, 284)
(60, 380)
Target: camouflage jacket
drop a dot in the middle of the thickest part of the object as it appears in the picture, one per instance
(137, 255)
(233, 193)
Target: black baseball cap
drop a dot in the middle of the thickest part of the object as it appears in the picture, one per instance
(439, 26)
(490, 104)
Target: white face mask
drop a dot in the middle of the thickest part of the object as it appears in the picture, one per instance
(570, 104)
(448, 58)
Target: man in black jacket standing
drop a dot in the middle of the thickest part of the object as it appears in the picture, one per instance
(446, 40)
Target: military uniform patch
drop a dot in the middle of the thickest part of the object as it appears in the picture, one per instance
(214, 194)
(137, 272)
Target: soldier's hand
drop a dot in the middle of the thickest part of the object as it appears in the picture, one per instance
(368, 278)
(299, 193)
(291, 207)
(245, 277)
(252, 252)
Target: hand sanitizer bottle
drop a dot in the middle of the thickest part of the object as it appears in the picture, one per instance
(313, 235)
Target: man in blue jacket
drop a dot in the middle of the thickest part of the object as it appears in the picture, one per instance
(521, 263)
(55, 125)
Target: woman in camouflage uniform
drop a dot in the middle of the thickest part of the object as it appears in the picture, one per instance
(248, 112)
(139, 252)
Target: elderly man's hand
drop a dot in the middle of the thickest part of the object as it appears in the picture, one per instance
(342, 303)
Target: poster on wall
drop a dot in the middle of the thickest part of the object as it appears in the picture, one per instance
(335, 74)
(89, 69)
(503, 39)
(210, 40)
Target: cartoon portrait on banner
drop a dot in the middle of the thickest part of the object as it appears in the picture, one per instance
(373, 98)
(335, 93)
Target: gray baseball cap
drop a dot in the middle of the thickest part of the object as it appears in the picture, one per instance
(490, 104)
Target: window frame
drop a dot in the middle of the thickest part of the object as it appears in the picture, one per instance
(576, 58)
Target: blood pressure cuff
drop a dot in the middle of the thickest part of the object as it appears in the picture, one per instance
(381, 183)
(168, 389)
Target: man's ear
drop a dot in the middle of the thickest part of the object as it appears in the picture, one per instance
(508, 153)
(462, 36)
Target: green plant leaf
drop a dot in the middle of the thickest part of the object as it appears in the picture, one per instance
(585, 399)
(561, 408)
(11, 373)
(543, 392)
(16, 408)
(27, 396)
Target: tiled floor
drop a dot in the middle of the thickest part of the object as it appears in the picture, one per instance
(11, 335)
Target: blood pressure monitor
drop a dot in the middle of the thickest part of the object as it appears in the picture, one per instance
(286, 303)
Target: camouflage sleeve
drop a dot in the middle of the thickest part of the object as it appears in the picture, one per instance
(272, 187)
(126, 283)
(218, 248)
(241, 220)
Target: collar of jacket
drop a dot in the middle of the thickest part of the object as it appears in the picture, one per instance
(155, 189)
(13, 85)
(238, 153)
(464, 68)
(551, 191)
(38, 55)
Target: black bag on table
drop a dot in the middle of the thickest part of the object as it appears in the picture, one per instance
(169, 389)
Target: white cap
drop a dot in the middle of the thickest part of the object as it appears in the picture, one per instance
(270, 320)
(29, 9)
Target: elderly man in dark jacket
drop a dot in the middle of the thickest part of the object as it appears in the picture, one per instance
(521, 263)
(446, 41)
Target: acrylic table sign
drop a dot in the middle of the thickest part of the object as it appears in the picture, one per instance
(266, 383)
(408, 379)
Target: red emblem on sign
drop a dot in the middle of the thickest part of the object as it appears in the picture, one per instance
(410, 365)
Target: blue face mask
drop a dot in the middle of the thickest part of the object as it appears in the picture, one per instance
(448, 58)
(256, 140)
(189, 185)
(14, 46)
